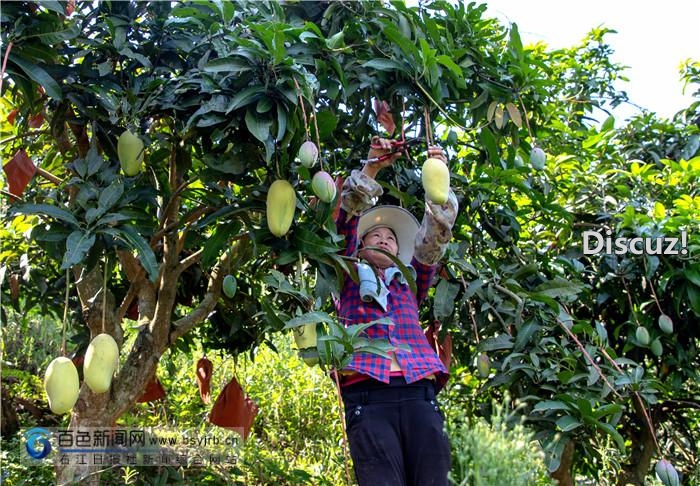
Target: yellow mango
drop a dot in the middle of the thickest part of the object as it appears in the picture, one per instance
(436, 180)
(61, 384)
(130, 152)
(101, 359)
(305, 336)
(281, 203)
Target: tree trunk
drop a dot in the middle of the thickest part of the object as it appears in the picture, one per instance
(156, 301)
(102, 410)
(643, 449)
(563, 472)
(9, 420)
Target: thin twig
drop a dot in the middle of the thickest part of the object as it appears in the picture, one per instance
(303, 109)
(342, 426)
(471, 312)
(23, 135)
(4, 63)
(48, 175)
(104, 294)
(588, 356)
(65, 313)
(527, 121)
(440, 108)
(653, 292)
(647, 417)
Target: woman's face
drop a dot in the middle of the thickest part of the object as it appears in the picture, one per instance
(383, 238)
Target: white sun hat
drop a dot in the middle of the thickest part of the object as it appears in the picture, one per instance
(399, 220)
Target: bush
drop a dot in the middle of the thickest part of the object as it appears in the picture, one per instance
(496, 452)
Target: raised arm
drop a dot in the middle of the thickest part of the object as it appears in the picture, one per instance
(361, 191)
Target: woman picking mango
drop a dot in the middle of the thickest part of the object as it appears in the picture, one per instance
(394, 422)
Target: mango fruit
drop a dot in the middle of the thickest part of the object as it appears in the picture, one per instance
(436, 180)
(323, 186)
(229, 286)
(538, 158)
(308, 154)
(305, 336)
(61, 384)
(642, 335)
(656, 347)
(130, 152)
(666, 323)
(101, 359)
(666, 473)
(483, 365)
(281, 203)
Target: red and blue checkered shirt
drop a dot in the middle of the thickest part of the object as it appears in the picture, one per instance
(402, 308)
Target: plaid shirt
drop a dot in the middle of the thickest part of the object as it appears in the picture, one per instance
(402, 308)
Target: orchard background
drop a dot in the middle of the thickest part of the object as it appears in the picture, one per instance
(223, 94)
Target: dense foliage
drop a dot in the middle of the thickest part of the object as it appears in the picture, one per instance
(223, 94)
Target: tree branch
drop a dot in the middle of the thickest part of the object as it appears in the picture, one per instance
(207, 304)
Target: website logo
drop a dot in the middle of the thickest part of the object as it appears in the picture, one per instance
(37, 445)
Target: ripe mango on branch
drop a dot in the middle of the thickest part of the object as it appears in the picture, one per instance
(61, 384)
(281, 203)
(130, 153)
(436, 180)
(101, 359)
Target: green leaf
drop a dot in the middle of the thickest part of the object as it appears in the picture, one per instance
(489, 142)
(404, 43)
(145, 254)
(78, 244)
(271, 315)
(53, 5)
(39, 76)
(110, 196)
(450, 64)
(233, 64)
(308, 318)
(559, 287)
(547, 405)
(327, 123)
(52, 38)
(619, 440)
(502, 341)
(311, 244)
(568, 423)
(110, 219)
(609, 409)
(46, 210)
(383, 65)
(480, 100)
(525, 334)
(377, 349)
(444, 301)
(692, 275)
(245, 97)
(281, 121)
(257, 125)
(216, 241)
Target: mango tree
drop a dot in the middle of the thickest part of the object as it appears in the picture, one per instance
(211, 103)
